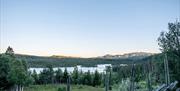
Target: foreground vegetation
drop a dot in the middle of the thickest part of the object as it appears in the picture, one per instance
(55, 87)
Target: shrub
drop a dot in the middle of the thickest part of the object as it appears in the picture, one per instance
(61, 89)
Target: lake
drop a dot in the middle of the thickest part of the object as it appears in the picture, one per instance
(100, 68)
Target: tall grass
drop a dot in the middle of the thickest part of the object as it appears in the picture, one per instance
(55, 87)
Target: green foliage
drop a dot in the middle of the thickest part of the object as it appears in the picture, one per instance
(18, 74)
(55, 87)
(38, 61)
(87, 80)
(139, 68)
(81, 77)
(75, 76)
(121, 72)
(169, 43)
(96, 79)
(65, 76)
(58, 76)
(61, 89)
(35, 77)
(13, 71)
(46, 76)
(124, 85)
(4, 69)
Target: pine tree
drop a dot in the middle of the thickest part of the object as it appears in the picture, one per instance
(50, 73)
(9, 51)
(43, 77)
(87, 80)
(65, 75)
(75, 76)
(58, 76)
(96, 79)
(35, 77)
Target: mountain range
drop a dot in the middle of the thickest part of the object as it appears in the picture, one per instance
(134, 55)
(68, 61)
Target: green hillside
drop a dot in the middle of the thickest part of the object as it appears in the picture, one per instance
(41, 61)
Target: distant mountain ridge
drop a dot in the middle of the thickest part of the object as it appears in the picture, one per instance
(107, 56)
(133, 55)
(68, 61)
(61, 56)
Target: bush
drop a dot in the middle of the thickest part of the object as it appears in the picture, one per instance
(80, 87)
(61, 89)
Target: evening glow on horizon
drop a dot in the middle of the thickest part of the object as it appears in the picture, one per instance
(84, 28)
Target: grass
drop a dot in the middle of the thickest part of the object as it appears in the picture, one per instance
(125, 85)
(55, 87)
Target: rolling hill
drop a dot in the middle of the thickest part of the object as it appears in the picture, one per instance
(65, 61)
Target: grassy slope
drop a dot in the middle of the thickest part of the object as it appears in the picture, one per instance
(55, 88)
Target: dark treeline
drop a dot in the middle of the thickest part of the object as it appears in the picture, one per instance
(38, 61)
(49, 76)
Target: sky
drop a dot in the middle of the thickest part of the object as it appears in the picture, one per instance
(84, 28)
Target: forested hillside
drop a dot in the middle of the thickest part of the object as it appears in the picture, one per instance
(39, 61)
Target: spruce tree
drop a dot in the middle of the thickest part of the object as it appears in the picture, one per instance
(75, 75)
(65, 75)
(96, 79)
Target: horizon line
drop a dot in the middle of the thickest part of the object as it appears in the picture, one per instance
(71, 56)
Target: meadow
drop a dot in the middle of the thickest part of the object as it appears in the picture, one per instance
(55, 87)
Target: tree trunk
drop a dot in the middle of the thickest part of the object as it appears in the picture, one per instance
(167, 78)
(149, 77)
(68, 83)
(107, 82)
(132, 78)
(21, 88)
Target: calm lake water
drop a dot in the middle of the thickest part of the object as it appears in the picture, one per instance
(100, 68)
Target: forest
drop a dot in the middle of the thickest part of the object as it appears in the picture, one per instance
(159, 72)
(39, 61)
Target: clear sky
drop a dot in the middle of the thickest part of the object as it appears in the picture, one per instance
(84, 28)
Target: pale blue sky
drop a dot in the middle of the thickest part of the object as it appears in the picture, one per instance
(84, 28)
